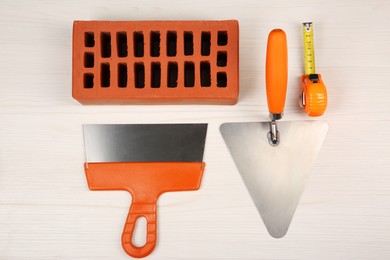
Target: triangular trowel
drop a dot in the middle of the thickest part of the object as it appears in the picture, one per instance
(275, 159)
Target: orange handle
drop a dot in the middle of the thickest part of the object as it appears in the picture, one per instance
(140, 210)
(276, 71)
(146, 181)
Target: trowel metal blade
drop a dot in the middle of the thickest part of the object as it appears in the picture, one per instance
(145, 142)
(275, 175)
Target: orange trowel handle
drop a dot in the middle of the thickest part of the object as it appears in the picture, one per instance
(276, 71)
(146, 181)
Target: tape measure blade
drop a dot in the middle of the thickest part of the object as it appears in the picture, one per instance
(308, 48)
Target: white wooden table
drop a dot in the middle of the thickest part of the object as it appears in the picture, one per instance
(47, 211)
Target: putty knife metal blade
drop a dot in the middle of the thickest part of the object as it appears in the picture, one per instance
(144, 142)
(275, 175)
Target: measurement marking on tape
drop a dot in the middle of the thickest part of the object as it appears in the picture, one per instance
(308, 50)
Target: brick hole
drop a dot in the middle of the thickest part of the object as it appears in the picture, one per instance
(171, 43)
(221, 59)
(155, 75)
(105, 75)
(105, 38)
(121, 42)
(188, 43)
(122, 75)
(88, 80)
(138, 38)
(205, 77)
(222, 38)
(89, 39)
(172, 74)
(221, 79)
(154, 44)
(189, 74)
(89, 60)
(139, 75)
(205, 43)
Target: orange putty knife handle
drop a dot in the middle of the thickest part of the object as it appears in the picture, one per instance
(276, 71)
(146, 181)
(136, 211)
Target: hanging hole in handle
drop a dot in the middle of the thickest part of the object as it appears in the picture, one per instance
(139, 236)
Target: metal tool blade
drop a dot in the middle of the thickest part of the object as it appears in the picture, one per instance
(275, 175)
(144, 142)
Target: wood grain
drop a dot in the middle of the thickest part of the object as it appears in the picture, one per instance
(47, 211)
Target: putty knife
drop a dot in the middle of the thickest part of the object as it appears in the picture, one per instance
(145, 160)
(275, 159)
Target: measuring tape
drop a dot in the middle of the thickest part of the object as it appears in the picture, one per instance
(308, 48)
(313, 97)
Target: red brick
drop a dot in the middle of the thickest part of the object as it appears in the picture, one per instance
(100, 46)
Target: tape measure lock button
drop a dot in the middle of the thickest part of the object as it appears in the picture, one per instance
(314, 78)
